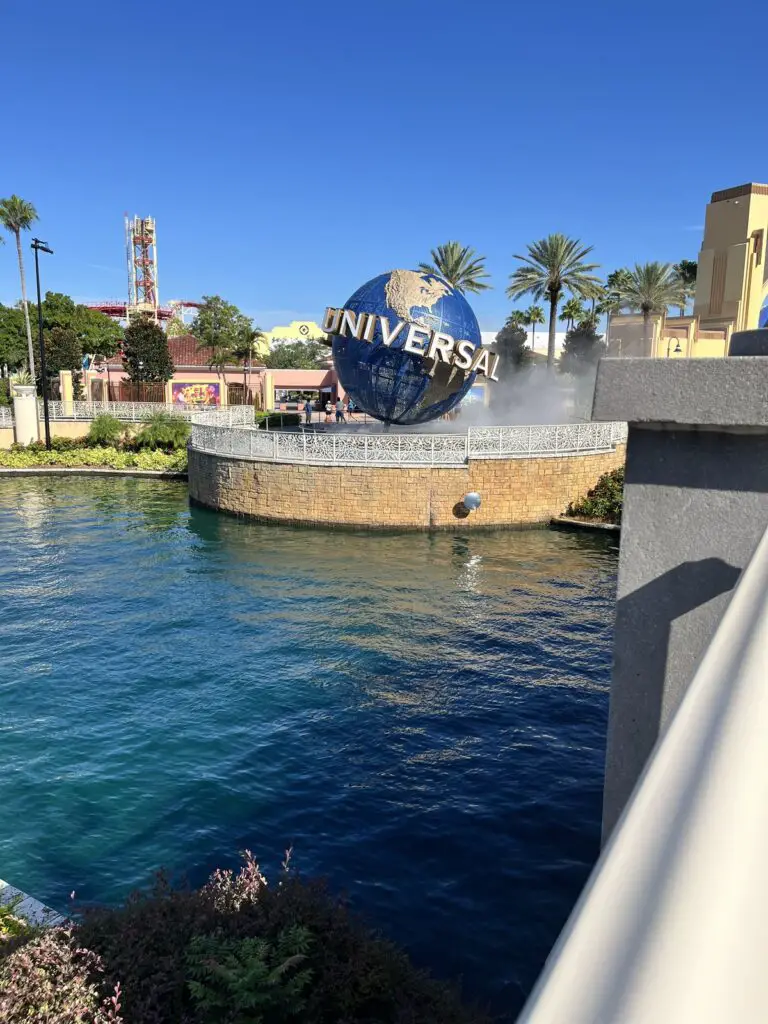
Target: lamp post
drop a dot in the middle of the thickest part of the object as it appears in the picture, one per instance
(38, 246)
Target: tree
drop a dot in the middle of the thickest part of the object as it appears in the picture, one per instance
(17, 215)
(176, 327)
(512, 346)
(572, 312)
(297, 355)
(459, 265)
(145, 352)
(553, 265)
(247, 341)
(582, 348)
(97, 333)
(13, 341)
(533, 315)
(517, 318)
(651, 288)
(611, 301)
(686, 271)
(219, 327)
(64, 351)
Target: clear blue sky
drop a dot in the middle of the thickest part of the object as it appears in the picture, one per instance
(291, 151)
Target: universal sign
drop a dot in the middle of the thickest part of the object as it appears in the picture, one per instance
(419, 340)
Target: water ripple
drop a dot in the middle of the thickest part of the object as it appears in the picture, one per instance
(422, 716)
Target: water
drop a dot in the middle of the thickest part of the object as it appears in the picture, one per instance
(422, 717)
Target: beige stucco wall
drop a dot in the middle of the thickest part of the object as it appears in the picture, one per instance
(514, 491)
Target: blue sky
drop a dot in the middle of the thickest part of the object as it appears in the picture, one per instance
(291, 151)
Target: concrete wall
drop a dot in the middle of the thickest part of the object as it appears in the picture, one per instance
(695, 506)
(514, 491)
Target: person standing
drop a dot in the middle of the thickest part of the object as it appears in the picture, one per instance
(308, 411)
(340, 418)
(328, 411)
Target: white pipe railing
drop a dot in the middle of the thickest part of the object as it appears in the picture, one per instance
(228, 415)
(341, 448)
(673, 924)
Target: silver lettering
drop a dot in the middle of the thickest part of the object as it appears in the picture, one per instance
(351, 324)
(386, 337)
(464, 352)
(492, 375)
(370, 326)
(440, 347)
(331, 320)
(414, 343)
(481, 361)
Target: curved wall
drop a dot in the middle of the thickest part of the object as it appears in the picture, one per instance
(514, 491)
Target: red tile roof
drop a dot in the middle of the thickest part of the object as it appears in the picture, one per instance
(185, 354)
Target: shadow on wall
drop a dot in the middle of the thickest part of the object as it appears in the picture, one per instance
(647, 615)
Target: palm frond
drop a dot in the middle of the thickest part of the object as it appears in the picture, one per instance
(459, 265)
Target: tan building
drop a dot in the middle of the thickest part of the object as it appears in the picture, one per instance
(731, 286)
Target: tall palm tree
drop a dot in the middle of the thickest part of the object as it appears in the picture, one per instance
(652, 288)
(534, 315)
(242, 350)
(686, 272)
(459, 265)
(17, 215)
(553, 265)
(517, 318)
(610, 301)
(572, 310)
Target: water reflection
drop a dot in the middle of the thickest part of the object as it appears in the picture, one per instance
(422, 715)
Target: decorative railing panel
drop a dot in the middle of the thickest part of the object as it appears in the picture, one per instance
(405, 449)
(228, 415)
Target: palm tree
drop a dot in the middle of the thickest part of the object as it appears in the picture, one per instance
(17, 215)
(610, 301)
(573, 310)
(552, 265)
(459, 265)
(533, 315)
(686, 272)
(243, 351)
(652, 288)
(517, 318)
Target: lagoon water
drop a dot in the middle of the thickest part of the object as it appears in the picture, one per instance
(421, 716)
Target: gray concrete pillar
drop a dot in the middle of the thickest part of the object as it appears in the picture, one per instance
(695, 506)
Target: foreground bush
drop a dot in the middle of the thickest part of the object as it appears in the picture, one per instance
(52, 980)
(163, 430)
(107, 458)
(106, 430)
(239, 951)
(604, 501)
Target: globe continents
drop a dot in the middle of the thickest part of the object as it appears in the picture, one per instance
(393, 385)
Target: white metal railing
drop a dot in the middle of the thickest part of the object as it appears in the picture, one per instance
(673, 923)
(339, 448)
(228, 415)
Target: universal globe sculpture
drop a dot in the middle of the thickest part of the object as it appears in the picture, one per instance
(389, 383)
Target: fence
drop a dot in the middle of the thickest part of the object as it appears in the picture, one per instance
(405, 449)
(135, 412)
(672, 924)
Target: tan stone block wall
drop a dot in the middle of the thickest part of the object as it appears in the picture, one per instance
(514, 492)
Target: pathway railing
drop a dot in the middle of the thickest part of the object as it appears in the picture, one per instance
(135, 412)
(339, 448)
(673, 923)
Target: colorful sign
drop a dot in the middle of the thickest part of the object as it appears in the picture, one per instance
(195, 394)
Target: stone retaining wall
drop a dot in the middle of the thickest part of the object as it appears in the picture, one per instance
(515, 492)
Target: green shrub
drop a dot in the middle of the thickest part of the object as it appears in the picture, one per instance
(163, 430)
(19, 457)
(277, 420)
(245, 980)
(604, 501)
(105, 430)
(11, 925)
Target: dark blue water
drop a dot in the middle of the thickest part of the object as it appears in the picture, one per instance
(422, 717)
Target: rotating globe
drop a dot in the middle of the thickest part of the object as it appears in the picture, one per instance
(397, 386)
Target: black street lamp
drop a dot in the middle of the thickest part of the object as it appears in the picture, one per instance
(38, 246)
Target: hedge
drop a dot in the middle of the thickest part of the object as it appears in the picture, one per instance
(109, 458)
